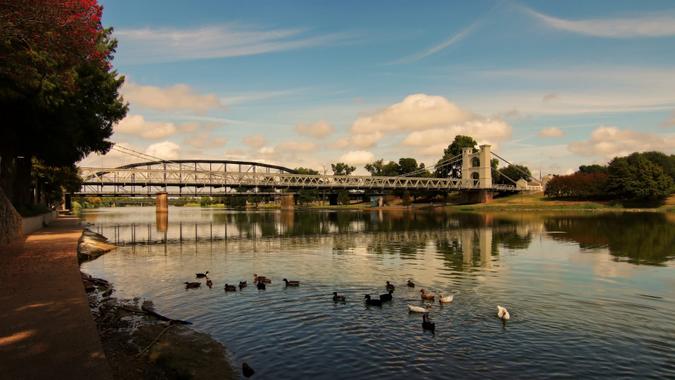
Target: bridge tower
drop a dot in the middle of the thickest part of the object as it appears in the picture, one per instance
(476, 168)
(477, 174)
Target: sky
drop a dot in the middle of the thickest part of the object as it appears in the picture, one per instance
(551, 85)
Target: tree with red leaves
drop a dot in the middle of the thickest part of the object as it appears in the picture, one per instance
(59, 95)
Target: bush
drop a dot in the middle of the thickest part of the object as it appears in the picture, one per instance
(578, 186)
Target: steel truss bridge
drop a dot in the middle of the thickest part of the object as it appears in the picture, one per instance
(221, 178)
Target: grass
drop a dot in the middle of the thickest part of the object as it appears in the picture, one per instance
(537, 201)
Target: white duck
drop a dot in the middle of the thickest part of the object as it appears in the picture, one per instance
(417, 309)
(446, 299)
(502, 313)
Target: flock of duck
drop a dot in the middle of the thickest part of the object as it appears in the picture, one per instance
(261, 283)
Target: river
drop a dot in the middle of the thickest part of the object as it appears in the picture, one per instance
(590, 295)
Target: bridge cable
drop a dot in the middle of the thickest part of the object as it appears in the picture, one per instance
(447, 161)
(516, 167)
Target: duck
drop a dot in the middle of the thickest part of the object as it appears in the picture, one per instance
(427, 296)
(386, 297)
(390, 287)
(372, 302)
(202, 275)
(192, 285)
(264, 279)
(339, 297)
(502, 313)
(291, 283)
(446, 299)
(209, 283)
(410, 284)
(260, 285)
(417, 309)
(427, 324)
(230, 288)
(242, 285)
(246, 370)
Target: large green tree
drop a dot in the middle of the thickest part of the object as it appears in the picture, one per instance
(340, 168)
(379, 168)
(59, 95)
(637, 178)
(454, 149)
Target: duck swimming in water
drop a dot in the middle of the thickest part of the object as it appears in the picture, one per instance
(209, 283)
(242, 285)
(410, 284)
(417, 309)
(502, 313)
(201, 275)
(372, 302)
(192, 285)
(264, 279)
(291, 283)
(260, 285)
(427, 324)
(390, 287)
(426, 295)
(339, 297)
(386, 297)
(446, 299)
(230, 288)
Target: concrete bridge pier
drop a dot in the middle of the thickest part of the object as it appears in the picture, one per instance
(478, 196)
(333, 199)
(287, 201)
(376, 201)
(162, 202)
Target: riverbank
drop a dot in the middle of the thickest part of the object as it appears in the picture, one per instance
(46, 327)
(140, 344)
(538, 202)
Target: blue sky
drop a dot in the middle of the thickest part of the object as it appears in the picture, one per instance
(549, 84)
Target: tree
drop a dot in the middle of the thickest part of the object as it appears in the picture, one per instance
(636, 178)
(578, 186)
(666, 162)
(58, 91)
(308, 171)
(454, 149)
(343, 197)
(407, 165)
(512, 173)
(379, 168)
(591, 169)
(340, 168)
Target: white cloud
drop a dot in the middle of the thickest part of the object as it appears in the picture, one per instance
(151, 45)
(176, 97)
(357, 157)
(137, 125)
(266, 150)
(610, 141)
(319, 129)
(165, 150)
(415, 112)
(205, 140)
(255, 141)
(551, 132)
(654, 25)
(431, 122)
(112, 159)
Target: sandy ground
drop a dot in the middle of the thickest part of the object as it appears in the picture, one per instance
(46, 329)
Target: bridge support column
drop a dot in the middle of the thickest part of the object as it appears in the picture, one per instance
(332, 199)
(287, 201)
(485, 170)
(478, 196)
(162, 202)
(376, 201)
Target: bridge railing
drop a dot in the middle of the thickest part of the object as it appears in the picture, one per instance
(204, 178)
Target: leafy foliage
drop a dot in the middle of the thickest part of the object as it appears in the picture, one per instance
(308, 171)
(636, 177)
(455, 148)
(578, 186)
(512, 173)
(340, 168)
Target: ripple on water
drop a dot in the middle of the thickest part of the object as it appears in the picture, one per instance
(566, 320)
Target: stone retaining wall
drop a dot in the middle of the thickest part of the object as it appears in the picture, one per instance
(11, 227)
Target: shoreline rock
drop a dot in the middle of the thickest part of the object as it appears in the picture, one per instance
(139, 345)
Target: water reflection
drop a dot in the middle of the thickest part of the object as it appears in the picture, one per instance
(569, 281)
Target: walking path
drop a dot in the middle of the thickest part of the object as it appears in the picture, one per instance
(46, 328)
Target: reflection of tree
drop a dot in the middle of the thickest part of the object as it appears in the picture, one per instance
(645, 238)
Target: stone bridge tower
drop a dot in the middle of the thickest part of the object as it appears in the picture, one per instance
(476, 168)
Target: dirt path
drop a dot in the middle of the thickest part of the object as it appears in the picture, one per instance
(46, 329)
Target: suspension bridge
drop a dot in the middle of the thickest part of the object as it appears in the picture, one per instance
(229, 177)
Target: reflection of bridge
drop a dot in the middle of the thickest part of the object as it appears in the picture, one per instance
(218, 178)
